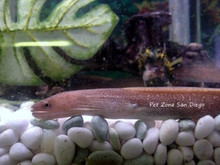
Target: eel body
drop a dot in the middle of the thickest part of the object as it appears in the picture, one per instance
(132, 103)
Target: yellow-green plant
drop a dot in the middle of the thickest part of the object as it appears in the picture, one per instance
(79, 37)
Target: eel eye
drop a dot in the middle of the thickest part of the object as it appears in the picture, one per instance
(46, 105)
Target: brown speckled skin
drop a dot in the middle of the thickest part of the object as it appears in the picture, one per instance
(132, 103)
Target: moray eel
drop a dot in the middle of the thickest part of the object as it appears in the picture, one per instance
(132, 103)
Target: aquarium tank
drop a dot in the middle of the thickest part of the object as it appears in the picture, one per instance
(120, 82)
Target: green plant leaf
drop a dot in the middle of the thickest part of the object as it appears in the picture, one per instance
(79, 37)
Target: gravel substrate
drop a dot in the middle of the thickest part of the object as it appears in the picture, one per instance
(97, 141)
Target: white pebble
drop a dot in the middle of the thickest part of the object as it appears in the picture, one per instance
(20, 152)
(26, 105)
(18, 125)
(64, 150)
(43, 159)
(192, 162)
(204, 127)
(26, 162)
(168, 131)
(214, 138)
(217, 122)
(100, 146)
(174, 157)
(9, 106)
(8, 137)
(217, 155)
(132, 148)
(47, 142)
(187, 153)
(30, 141)
(151, 140)
(88, 125)
(150, 123)
(203, 149)
(185, 138)
(24, 113)
(4, 151)
(3, 127)
(19, 121)
(81, 136)
(125, 131)
(7, 160)
(5, 114)
(160, 155)
(205, 162)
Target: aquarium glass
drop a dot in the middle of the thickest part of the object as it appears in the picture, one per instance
(53, 46)
(169, 49)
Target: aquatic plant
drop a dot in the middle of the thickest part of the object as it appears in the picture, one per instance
(212, 8)
(146, 6)
(27, 44)
(210, 19)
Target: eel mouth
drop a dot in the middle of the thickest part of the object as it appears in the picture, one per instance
(43, 115)
(39, 114)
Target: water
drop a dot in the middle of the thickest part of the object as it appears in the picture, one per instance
(48, 47)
